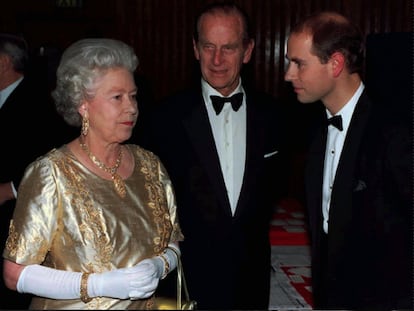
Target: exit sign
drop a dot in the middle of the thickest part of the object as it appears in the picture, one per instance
(69, 3)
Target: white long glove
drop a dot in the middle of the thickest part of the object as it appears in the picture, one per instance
(139, 281)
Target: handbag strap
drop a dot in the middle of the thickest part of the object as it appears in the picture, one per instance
(181, 283)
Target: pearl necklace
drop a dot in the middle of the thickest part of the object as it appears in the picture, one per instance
(118, 182)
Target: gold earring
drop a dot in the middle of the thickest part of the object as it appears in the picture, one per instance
(85, 126)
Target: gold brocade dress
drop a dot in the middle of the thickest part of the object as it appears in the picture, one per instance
(70, 219)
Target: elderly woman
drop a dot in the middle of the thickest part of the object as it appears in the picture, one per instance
(95, 221)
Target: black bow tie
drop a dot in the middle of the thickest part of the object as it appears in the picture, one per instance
(336, 121)
(218, 102)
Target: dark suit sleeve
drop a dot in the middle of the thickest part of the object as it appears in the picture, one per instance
(30, 127)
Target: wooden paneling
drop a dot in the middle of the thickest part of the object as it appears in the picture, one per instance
(161, 30)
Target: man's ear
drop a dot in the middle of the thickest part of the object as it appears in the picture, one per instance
(248, 52)
(337, 61)
(5, 62)
(195, 49)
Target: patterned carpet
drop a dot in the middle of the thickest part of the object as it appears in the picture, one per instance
(290, 280)
(288, 225)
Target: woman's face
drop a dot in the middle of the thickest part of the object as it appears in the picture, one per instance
(113, 111)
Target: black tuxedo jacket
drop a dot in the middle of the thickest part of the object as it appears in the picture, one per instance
(365, 262)
(29, 127)
(19, 123)
(226, 258)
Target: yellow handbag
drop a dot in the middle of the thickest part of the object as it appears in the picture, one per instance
(179, 303)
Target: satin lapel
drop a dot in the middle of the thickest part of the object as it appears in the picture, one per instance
(12, 103)
(254, 153)
(13, 106)
(341, 198)
(314, 177)
(199, 130)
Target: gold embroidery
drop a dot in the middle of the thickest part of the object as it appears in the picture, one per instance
(85, 228)
(157, 201)
(91, 225)
(11, 240)
(150, 303)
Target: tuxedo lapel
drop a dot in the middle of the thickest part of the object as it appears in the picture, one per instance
(254, 154)
(199, 131)
(314, 178)
(342, 193)
(14, 103)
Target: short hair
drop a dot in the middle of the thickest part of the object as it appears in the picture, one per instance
(332, 32)
(227, 8)
(81, 64)
(16, 48)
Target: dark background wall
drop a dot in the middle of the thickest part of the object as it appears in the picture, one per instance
(160, 30)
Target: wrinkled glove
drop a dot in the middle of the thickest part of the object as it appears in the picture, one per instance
(137, 282)
(164, 263)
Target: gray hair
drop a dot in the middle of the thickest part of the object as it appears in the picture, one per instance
(227, 8)
(81, 64)
(16, 48)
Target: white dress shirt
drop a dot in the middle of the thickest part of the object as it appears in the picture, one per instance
(229, 131)
(334, 144)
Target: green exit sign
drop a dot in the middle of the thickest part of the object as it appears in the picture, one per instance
(69, 3)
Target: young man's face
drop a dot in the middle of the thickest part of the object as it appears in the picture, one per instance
(311, 80)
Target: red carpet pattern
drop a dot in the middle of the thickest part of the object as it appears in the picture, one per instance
(290, 281)
(288, 225)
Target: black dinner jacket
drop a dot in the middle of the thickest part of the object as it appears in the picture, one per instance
(369, 244)
(226, 258)
(20, 122)
(29, 127)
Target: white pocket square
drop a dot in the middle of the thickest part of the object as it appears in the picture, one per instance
(267, 155)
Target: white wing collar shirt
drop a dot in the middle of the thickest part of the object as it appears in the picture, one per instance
(334, 144)
(229, 131)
